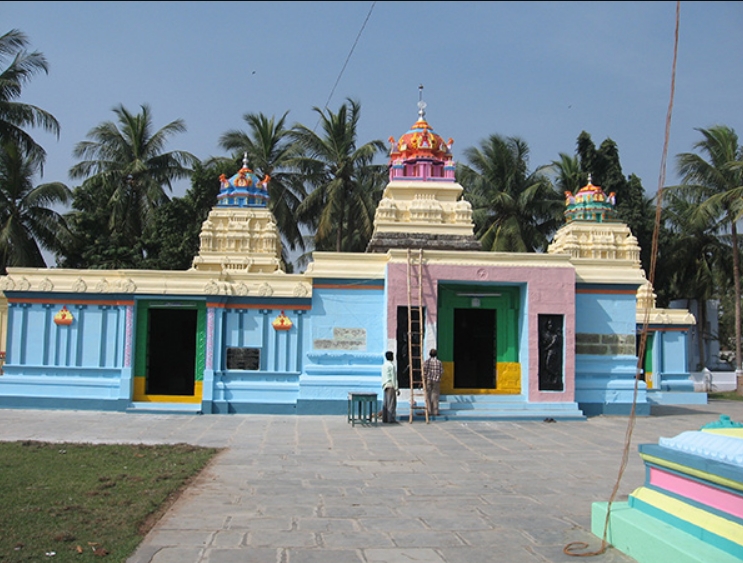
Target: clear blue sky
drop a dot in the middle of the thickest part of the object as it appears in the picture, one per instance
(542, 71)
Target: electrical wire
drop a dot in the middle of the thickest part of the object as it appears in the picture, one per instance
(348, 58)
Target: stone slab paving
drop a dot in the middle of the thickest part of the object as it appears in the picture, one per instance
(315, 489)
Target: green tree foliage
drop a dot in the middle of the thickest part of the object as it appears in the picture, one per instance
(568, 175)
(171, 243)
(126, 173)
(174, 241)
(697, 258)
(269, 152)
(28, 222)
(15, 115)
(90, 243)
(514, 210)
(345, 184)
(634, 208)
(715, 176)
(727, 330)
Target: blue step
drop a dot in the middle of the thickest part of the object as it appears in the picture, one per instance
(164, 408)
(492, 407)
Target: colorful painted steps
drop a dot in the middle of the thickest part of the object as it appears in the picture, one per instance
(690, 508)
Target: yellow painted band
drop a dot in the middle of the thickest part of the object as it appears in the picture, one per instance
(507, 381)
(140, 395)
(701, 518)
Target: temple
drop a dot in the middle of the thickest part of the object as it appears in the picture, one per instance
(521, 335)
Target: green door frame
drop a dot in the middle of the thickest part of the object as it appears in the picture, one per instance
(141, 340)
(505, 300)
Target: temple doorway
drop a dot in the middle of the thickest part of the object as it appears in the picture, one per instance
(171, 352)
(409, 338)
(474, 348)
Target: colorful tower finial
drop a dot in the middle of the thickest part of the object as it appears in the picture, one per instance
(421, 154)
(590, 204)
(244, 189)
(421, 104)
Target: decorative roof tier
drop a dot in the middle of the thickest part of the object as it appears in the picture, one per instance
(422, 205)
(612, 240)
(590, 204)
(240, 234)
(244, 189)
(421, 154)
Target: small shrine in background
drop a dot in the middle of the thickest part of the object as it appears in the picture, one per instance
(591, 229)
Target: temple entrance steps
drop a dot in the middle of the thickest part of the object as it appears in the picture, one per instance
(164, 408)
(660, 397)
(492, 407)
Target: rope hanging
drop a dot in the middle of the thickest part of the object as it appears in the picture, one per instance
(570, 548)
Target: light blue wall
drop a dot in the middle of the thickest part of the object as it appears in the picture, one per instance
(274, 388)
(605, 380)
(605, 313)
(61, 366)
(345, 344)
(670, 363)
(334, 347)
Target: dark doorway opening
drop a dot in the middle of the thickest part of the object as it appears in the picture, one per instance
(409, 338)
(474, 349)
(646, 363)
(171, 351)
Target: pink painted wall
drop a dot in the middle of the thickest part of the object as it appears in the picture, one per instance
(548, 291)
(706, 495)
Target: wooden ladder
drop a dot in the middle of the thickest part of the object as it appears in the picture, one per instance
(416, 333)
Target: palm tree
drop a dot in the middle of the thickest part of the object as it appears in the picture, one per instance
(346, 184)
(513, 210)
(718, 182)
(28, 223)
(269, 153)
(568, 174)
(126, 162)
(694, 257)
(14, 116)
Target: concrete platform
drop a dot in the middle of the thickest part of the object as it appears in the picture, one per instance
(649, 540)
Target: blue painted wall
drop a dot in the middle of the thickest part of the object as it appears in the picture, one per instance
(63, 366)
(345, 344)
(605, 368)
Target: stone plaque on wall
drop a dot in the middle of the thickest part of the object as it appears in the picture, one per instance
(244, 358)
(341, 339)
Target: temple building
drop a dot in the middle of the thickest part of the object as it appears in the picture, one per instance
(520, 335)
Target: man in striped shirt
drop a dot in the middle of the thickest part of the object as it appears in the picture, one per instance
(432, 370)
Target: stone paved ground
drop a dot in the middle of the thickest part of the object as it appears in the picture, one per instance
(306, 489)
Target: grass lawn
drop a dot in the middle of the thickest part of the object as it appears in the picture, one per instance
(79, 502)
(726, 396)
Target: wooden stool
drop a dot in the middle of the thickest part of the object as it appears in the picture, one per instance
(363, 408)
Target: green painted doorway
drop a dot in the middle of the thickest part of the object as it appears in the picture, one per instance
(477, 338)
(169, 351)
